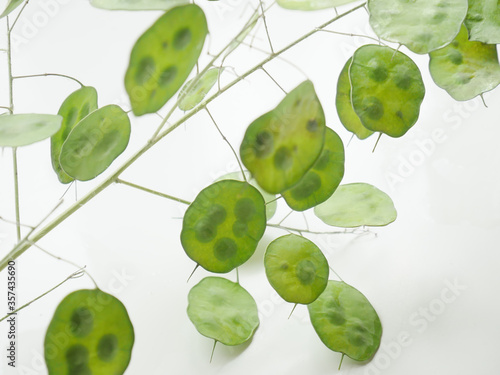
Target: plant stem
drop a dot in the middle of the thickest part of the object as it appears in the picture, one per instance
(272, 78)
(291, 312)
(265, 26)
(19, 15)
(26, 243)
(228, 143)
(80, 268)
(376, 143)
(74, 275)
(16, 195)
(49, 75)
(356, 35)
(9, 68)
(274, 200)
(11, 110)
(15, 223)
(290, 229)
(331, 269)
(154, 192)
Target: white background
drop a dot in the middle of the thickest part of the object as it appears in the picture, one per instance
(443, 176)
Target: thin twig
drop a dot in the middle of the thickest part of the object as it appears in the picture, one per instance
(44, 218)
(305, 220)
(74, 275)
(300, 231)
(355, 35)
(336, 273)
(265, 26)
(274, 200)
(272, 78)
(286, 217)
(49, 75)
(376, 143)
(154, 192)
(18, 15)
(16, 194)
(67, 261)
(15, 223)
(281, 58)
(229, 143)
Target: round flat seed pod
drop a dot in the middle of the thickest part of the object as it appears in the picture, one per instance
(311, 4)
(386, 89)
(270, 199)
(355, 205)
(137, 4)
(77, 105)
(421, 25)
(280, 146)
(465, 69)
(190, 97)
(346, 322)
(95, 142)
(163, 57)
(346, 113)
(223, 311)
(483, 21)
(26, 129)
(319, 183)
(89, 334)
(296, 268)
(224, 224)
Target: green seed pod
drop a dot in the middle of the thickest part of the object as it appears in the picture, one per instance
(26, 129)
(483, 21)
(89, 334)
(163, 57)
(386, 89)
(346, 322)
(422, 25)
(296, 268)
(77, 105)
(465, 69)
(354, 205)
(280, 146)
(320, 182)
(223, 311)
(346, 113)
(224, 224)
(95, 142)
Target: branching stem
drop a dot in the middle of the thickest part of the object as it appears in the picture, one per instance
(18, 15)
(74, 275)
(23, 245)
(80, 268)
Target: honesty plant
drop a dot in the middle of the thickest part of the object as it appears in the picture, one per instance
(290, 152)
